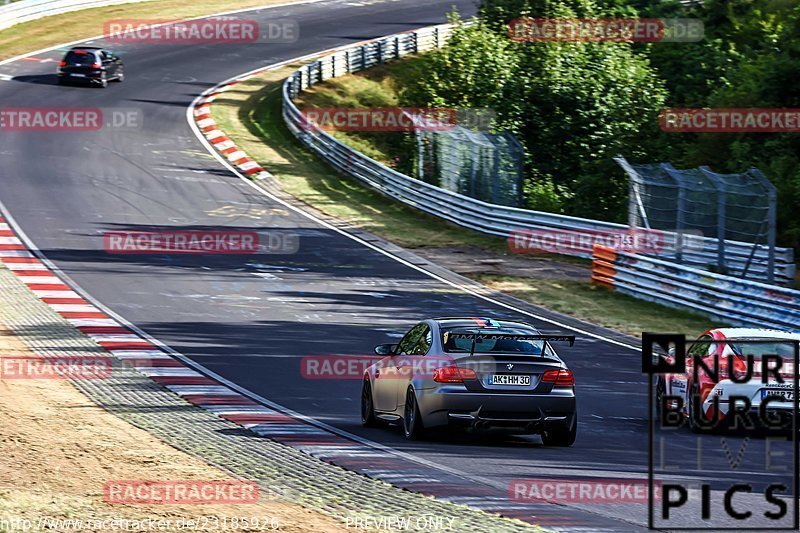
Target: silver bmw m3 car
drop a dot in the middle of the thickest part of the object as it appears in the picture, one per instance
(475, 373)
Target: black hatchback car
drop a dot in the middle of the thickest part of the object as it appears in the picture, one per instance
(90, 65)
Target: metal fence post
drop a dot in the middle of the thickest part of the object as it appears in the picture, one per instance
(635, 204)
(771, 220)
(680, 213)
(363, 57)
(722, 202)
(347, 60)
(771, 231)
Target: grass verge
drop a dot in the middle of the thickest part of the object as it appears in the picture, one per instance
(251, 114)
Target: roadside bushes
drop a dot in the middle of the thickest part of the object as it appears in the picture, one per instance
(572, 105)
(575, 105)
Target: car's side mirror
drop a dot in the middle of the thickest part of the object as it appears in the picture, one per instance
(385, 349)
(669, 356)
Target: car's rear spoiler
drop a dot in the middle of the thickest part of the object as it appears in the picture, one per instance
(510, 336)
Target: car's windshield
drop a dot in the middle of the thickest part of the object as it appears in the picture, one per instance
(784, 349)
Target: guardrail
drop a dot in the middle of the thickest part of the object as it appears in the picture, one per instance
(462, 210)
(737, 301)
(27, 10)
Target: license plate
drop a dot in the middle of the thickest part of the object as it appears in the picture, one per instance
(77, 75)
(509, 379)
(785, 395)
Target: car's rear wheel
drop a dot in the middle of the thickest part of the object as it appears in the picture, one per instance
(103, 80)
(120, 75)
(562, 435)
(412, 419)
(367, 407)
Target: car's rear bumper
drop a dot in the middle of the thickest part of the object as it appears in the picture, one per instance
(85, 78)
(524, 413)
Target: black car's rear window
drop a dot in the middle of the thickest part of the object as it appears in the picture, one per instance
(79, 57)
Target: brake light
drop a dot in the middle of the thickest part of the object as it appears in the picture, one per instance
(561, 378)
(62, 64)
(96, 65)
(452, 374)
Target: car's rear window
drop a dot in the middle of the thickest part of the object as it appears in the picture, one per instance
(77, 58)
(496, 346)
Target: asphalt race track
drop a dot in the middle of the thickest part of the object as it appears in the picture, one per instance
(251, 318)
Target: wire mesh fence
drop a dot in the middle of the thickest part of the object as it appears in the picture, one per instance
(482, 165)
(727, 207)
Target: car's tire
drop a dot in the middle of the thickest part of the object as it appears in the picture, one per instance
(120, 75)
(367, 405)
(562, 435)
(61, 81)
(413, 428)
(103, 80)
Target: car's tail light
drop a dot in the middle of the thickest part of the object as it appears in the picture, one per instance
(96, 65)
(561, 378)
(453, 374)
(62, 64)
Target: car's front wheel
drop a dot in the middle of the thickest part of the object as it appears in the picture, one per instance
(412, 419)
(562, 435)
(367, 407)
